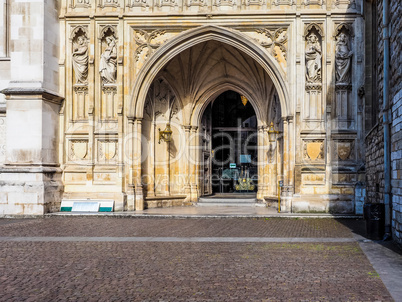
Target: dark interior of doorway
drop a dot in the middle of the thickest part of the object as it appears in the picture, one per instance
(234, 144)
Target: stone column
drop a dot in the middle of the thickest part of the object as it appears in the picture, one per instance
(129, 163)
(260, 164)
(194, 162)
(31, 174)
(268, 157)
(291, 158)
(151, 161)
(186, 163)
(137, 159)
(286, 166)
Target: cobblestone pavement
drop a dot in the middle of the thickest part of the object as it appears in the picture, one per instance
(185, 271)
(109, 226)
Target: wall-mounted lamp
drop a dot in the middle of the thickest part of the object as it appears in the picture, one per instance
(244, 100)
(165, 135)
(272, 133)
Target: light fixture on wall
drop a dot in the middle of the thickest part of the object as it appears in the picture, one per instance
(272, 133)
(244, 100)
(165, 135)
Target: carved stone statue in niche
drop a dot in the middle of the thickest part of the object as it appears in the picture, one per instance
(313, 59)
(108, 62)
(80, 60)
(343, 60)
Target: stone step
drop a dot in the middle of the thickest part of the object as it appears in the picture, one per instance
(227, 202)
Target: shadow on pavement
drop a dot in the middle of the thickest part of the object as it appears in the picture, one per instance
(358, 227)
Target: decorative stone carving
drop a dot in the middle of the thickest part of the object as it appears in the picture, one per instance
(345, 3)
(108, 61)
(78, 149)
(108, 103)
(284, 2)
(106, 3)
(80, 96)
(80, 55)
(314, 149)
(343, 56)
(313, 59)
(80, 3)
(169, 3)
(227, 3)
(148, 108)
(343, 85)
(107, 150)
(200, 3)
(275, 42)
(145, 41)
(313, 2)
(138, 3)
(344, 149)
(343, 60)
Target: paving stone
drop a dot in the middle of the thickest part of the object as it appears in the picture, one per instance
(123, 227)
(186, 271)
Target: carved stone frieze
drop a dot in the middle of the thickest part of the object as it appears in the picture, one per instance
(168, 3)
(230, 3)
(138, 3)
(200, 3)
(313, 2)
(248, 3)
(108, 3)
(283, 2)
(344, 3)
(314, 86)
(80, 3)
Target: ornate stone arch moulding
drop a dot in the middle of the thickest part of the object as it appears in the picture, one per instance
(318, 27)
(194, 36)
(75, 32)
(107, 30)
(344, 27)
(199, 107)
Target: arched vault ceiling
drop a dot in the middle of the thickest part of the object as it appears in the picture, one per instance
(209, 65)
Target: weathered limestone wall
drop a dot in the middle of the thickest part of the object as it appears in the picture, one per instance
(318, 155)
(30, 177)
(102, 57)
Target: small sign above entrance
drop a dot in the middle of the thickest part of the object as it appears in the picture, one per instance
(232, 165)
(245, 158)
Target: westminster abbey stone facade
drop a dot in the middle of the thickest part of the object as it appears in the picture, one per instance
(151, 103)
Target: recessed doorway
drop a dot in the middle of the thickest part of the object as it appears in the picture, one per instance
(233, 142)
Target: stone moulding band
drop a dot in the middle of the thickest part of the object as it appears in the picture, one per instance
(46, 95)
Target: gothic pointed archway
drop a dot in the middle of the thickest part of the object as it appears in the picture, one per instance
(196, 71)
